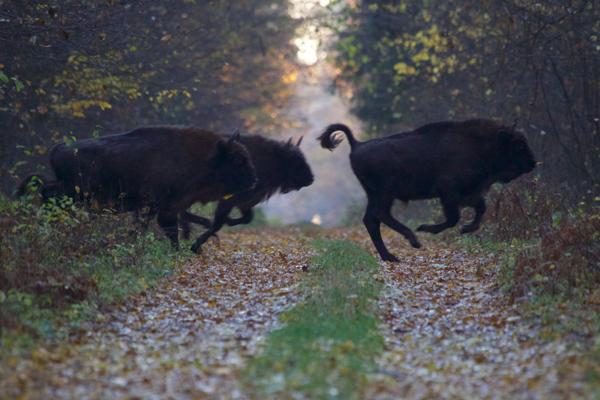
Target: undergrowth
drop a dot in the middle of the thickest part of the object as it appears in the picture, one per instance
(548, 261)
(60, 265)
(549, 251)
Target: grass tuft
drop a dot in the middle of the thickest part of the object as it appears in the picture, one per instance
(328, 343)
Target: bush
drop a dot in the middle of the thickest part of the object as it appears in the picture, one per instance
(60, 264)
(554, 248)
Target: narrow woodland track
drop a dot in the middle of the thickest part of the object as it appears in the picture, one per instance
(447, 329)
(187, 339)
(451, 334)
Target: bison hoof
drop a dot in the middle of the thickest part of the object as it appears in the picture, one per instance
(468, 228)
(196, 248)
(424, 228)
(434, 229)
(389, 257)
(416, 244)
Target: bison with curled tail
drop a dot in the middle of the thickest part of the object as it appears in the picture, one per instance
(456, 162)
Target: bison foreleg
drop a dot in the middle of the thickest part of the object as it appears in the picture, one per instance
(167, 220)
(373, 227)
(452, 214)
(221, 213)
(479, 211)
(185, 218)
(246, 218)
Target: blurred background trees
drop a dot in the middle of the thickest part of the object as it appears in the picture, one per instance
(537, 64)
(73, 69)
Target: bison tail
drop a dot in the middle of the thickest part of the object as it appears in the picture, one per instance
(33, 180)
(330, 141)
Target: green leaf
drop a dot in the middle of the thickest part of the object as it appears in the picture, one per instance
(3, 77)
(18, 84)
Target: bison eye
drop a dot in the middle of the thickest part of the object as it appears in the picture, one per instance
(237, 161)
(520, 145)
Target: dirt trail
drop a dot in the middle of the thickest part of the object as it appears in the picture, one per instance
(448, 332)
(187, 339)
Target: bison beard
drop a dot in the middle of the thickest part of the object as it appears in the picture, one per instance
(456, 162)
(279, 167)
(161, 169)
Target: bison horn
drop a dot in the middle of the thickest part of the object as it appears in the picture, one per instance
(512, 128)
(299, 141)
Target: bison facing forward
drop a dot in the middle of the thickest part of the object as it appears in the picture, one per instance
(162, 169)
(279, 167)
(454, 161)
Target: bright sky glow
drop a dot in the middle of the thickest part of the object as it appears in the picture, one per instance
(308, 50)
(308, 43)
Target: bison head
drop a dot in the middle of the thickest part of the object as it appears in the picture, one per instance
(296, 173)
(234, 166)
(514, 155)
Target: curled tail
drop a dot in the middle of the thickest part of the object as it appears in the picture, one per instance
(37, 182)
(330, 142)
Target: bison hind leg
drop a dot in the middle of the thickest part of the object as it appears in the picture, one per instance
(382, 212)
(378, 211)
(479, 211)
(373, 227)
(187, 218)
(167, 220)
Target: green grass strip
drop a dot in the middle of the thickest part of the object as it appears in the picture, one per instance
(329, 342)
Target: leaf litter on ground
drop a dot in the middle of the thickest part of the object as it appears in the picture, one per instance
(187, 339)
(449, 331)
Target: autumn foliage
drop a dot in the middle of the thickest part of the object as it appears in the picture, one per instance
(552, 248)
(71, 69)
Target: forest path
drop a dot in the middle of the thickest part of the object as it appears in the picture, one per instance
(185, 339)
(448, 331)
(451, 334)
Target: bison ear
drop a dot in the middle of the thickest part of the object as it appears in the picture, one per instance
(221, 149)
(289, 142)
(299, 141)
(235, 136)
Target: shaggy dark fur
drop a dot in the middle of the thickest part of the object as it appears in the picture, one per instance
(454, 161)
(279, 167)
(162, 169)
